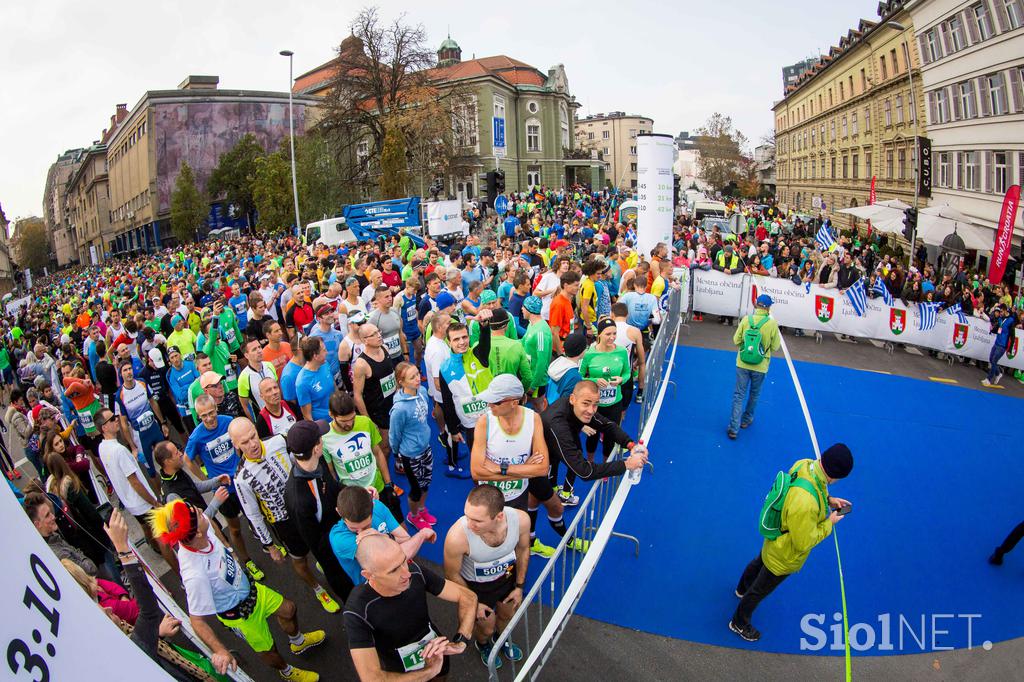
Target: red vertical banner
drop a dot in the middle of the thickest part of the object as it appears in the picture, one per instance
(871, 195)
(1004, 234)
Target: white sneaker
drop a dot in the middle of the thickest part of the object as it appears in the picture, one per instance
(985, 382)
(998, 378)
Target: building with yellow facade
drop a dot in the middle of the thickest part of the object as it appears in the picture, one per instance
(856, 115)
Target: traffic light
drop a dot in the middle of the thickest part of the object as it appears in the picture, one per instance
(909, 224)
(499, 181)
(492, 187)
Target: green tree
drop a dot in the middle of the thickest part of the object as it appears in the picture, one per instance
(272, 192)
(232, 178)
(189, 206)
(393, 165)
(320, 175)
(31, 245)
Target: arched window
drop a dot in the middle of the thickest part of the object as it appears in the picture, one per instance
(563, 112)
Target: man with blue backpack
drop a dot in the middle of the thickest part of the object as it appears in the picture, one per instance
(797, 514)
(757, 337)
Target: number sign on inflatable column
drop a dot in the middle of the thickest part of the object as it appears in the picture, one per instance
(654, 191)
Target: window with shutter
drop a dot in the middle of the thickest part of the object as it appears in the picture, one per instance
(1017, 88)
(944, 32)
(1000, 12)
(933, 109)
(1014, 13)
(972, 28)
(958, 109)
(922, 49)
(989, 171)
(986, 103)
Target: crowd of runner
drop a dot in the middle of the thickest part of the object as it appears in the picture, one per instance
(311, 395)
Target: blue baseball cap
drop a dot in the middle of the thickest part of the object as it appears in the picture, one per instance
(764, 301)
(444, 300)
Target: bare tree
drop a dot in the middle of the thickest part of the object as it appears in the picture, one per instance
(383, 76)
(719, 151)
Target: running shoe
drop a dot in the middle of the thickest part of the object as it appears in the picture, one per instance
(538, 548)
(418, 521)
(567, 498)
(427, 516)
(399, 467)
(10, 475)
(485, 653)
(986, 383)
(398, 491)
(747, 632)
(326, 601)
(309, 640)
(254, 571)
(17, 476)
(511, 651)
(578, 545)
(300, 675)
(639, 396)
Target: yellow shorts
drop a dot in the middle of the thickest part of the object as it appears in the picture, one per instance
(255, 630)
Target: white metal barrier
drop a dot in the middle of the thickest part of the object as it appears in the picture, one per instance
(546, 609)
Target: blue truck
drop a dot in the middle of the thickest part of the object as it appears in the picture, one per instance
(368, 222)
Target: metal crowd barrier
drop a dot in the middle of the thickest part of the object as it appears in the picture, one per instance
(552, 599)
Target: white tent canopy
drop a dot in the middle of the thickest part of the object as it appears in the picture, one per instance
(885, 216)
(935, 223)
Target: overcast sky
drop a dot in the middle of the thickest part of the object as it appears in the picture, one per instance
(65, 64)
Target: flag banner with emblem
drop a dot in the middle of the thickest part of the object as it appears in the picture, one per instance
(815, 308)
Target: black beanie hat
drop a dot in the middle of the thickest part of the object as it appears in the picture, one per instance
(837, 461)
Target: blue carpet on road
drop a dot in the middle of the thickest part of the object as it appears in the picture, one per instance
(936, 485)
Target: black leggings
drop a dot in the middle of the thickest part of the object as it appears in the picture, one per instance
(613, 413)
(1012, 539)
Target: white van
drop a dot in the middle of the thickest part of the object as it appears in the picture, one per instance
(706, 208)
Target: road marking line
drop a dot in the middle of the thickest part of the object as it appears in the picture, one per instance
(876, 371)
(23, 460)
(1001, 388)
(943, 380)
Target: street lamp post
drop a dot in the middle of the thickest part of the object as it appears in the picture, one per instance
(917, 144)
(291, 139)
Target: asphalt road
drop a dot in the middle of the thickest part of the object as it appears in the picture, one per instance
(590, 650)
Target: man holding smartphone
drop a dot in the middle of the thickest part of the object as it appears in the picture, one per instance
(806, 520)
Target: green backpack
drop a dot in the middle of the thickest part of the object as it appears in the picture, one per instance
(751, 350)
(771, 511)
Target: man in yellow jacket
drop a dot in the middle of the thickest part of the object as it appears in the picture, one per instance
(806, 520)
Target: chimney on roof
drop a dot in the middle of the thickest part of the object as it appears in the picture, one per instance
(122, 107)
(199, 83)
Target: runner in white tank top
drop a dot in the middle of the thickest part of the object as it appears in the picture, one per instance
(509, 449)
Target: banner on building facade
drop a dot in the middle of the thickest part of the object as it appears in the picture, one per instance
(827, 310)
(654, 180)
(924, 166)
(1004, 234)
(872, 197)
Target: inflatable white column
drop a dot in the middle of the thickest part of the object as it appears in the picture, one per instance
(654, 153)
